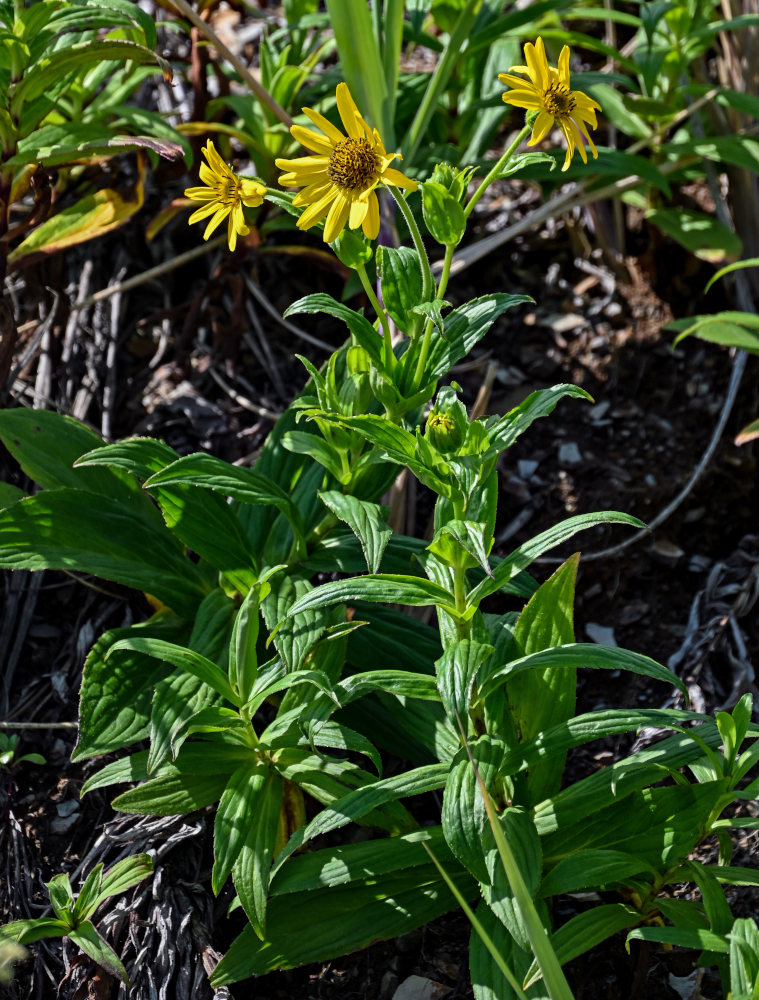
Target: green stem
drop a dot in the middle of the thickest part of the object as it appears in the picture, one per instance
(381, 316)
(495, 171)
(427, 279)
(427, 341)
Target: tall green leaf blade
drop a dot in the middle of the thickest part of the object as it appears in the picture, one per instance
(363, 331)
(361, 64)
(235, 816)
(505, 430)
(387, 588)
(464, 327)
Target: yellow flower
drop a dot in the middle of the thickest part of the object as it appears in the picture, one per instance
(339, 181)
(224, 196)
(547, 92)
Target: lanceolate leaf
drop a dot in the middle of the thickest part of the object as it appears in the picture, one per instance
(367, 520)
(245, 485)
(235, 815)
(521, 557)
(386, 589)
(115, 696)
(186, 659)
(87, 938)
(251, 869)
(584, 654)
(363, 331)
(504, 431)
(464, 327)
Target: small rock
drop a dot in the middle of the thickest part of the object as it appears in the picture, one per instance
(667, 549)
(63, 825)
(527, 467)
(569, 454)
(699, 564)
(567, 322)
(67, 808)
(601, 634)
(388, 985)
(633, 612)
(688, 987)
(598, 412)
(419, 988)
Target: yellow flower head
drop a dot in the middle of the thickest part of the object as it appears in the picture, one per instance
(224, 196)
(547, 92)
(339, 181)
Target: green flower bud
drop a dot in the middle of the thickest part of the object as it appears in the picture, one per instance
(358, 360)
(454, 180)
(443, 432)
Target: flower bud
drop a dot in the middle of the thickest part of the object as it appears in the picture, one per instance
(443, 432)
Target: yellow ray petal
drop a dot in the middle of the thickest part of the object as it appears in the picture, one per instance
(221, 214)
(397, 179)
(349, 113)
(359, 208)
(312, 193)
(372, 219)
(541, 128)
(564, 66)
(312, 140)
(336, 217)
(324, 124)
(204, 212)
(316, 211)
(200, 194)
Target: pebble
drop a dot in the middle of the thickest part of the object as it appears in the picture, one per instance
(569, 454)
(420, 988)
(601, 634)
(527, 467)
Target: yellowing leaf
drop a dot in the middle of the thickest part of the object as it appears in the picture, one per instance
(90, 217)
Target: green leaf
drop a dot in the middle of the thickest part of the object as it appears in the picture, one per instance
(541, 699)
(522, 837)
(87, 938)
(464, 327)
(401, 276)
(522, 556)
(456, 672)
(368, 521)
(363, 331)
(464, 815)
(115, 697)
(196, 779)
(690, 938)
(361, 65)
(443, 215)
(51, 69)
(235, 815)
(585, 931)
(299, 628)
(730, 329)
(186, 659)
(595, 868)
(243, 655)
(744, 957)
(122, 876)
(703, 235)
(389, 588)
(488, 980)
(583, 654)
(33, 929)
(251, 869)
(359, 803)
(46, 445)
(77, 530)
(504, 431)
(334, 901)
(76, 142)
(245, 485)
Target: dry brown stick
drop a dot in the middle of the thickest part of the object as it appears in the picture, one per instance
(261, 93)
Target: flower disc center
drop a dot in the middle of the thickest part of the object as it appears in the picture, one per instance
(558, 101)
(353, 164)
